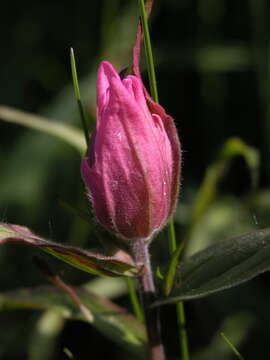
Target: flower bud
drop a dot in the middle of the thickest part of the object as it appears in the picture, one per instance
(131, 169)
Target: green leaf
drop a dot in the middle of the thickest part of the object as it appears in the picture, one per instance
(170, 274)
(78, 95)
(231, 346)
(109, 288)
(70, 134)
(94, 263)
(207, 191)
(111, 320)
(226, 217)
(221, 266)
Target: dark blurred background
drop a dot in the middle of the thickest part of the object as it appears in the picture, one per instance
(212, 63)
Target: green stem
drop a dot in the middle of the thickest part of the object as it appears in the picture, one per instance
(78, 95)
(171, 236)
(180, 311)
(134, 299)
(148, 52)
(171, 232)
(183, 339)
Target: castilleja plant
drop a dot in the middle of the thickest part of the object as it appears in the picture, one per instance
(131, 172)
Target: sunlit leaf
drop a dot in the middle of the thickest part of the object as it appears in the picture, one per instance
(68, 133)
(110, 319)
(221, 266)
(85, 260)
(231, 148)
(107, 287)
(226, 217)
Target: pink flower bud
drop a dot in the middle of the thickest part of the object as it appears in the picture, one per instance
(131, 169)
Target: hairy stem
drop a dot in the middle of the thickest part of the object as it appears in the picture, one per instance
(148, 296)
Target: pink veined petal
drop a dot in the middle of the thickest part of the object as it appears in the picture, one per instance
(105, 73)
(130, 169)
(136, 89)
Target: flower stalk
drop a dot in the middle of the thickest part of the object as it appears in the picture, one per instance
(148, 296)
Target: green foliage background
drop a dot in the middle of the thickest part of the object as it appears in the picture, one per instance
(212, 62)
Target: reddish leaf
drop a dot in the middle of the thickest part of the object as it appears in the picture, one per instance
(94, 263)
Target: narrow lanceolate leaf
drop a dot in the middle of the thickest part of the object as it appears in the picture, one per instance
(68, 133)
(169, 276)
(221, 266)
(85, 260)
(237, 326)
(111, 320)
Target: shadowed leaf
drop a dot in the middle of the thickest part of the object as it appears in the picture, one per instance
(110, 319)
(44, 337)
(221, 266)
(85, 260)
